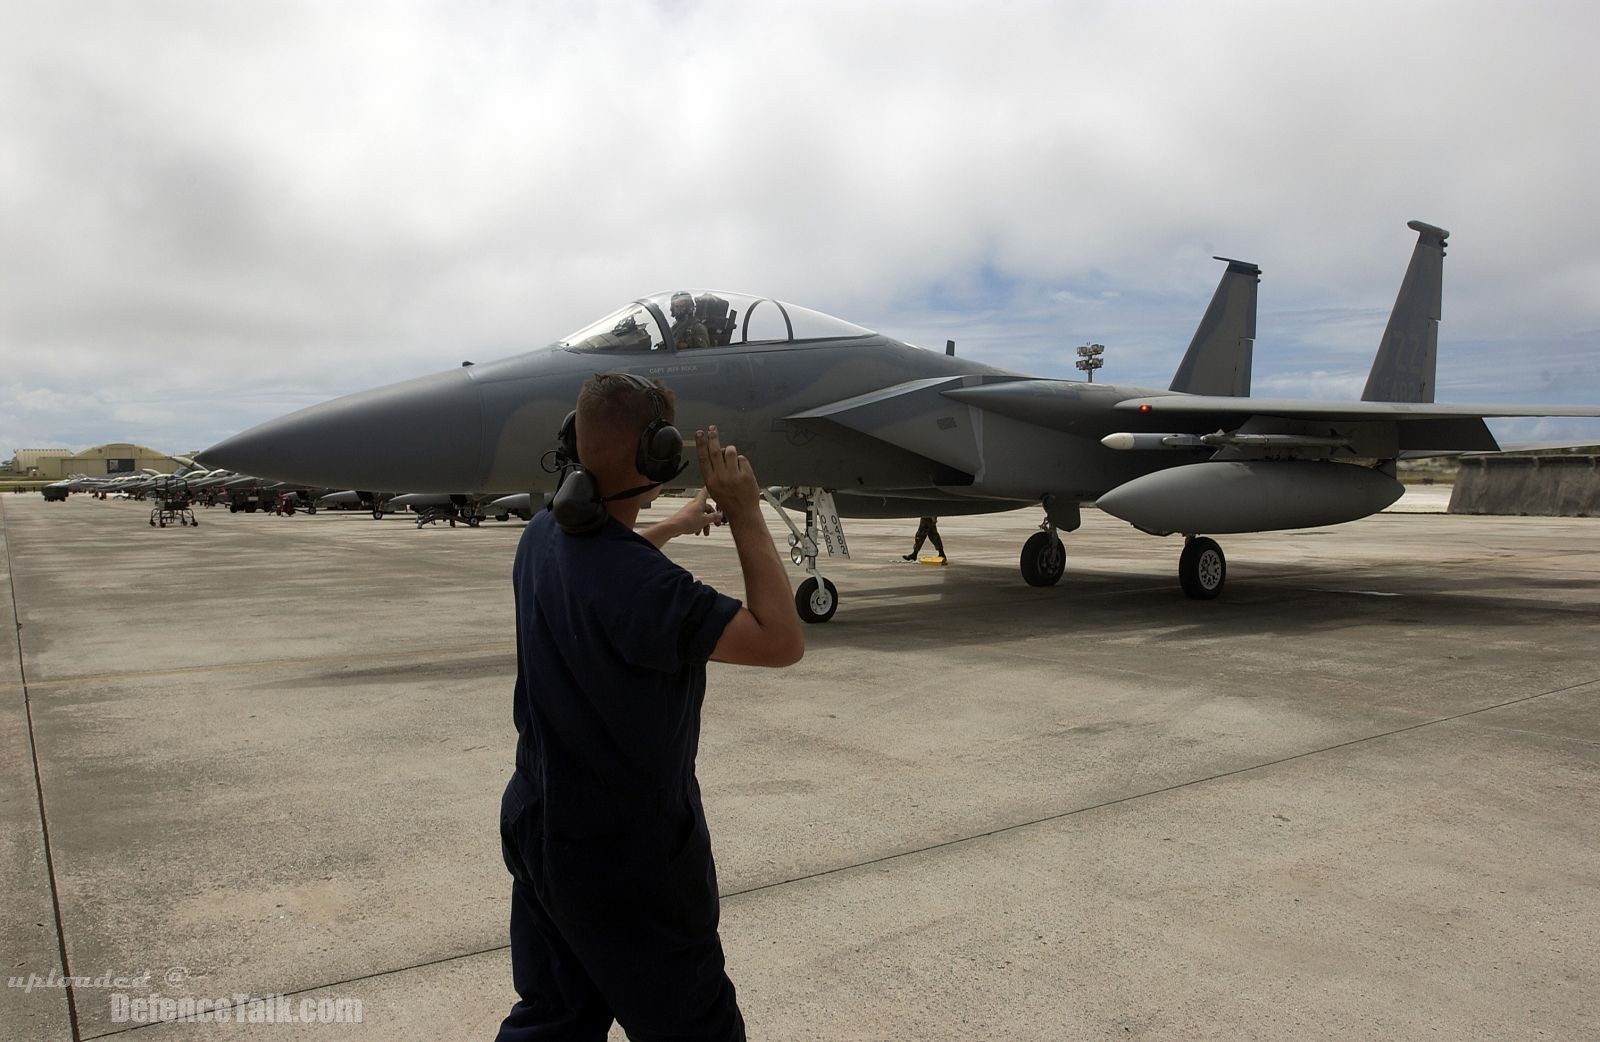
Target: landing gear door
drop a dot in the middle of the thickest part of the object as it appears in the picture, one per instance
(830, 526)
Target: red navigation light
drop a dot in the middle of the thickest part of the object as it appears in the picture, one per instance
(1145, 407)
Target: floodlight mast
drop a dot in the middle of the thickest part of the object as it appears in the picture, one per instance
(1090, 358)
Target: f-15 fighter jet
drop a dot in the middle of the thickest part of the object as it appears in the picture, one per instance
(849, 422)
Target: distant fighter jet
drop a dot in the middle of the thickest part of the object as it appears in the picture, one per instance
(472, 509)
(377, 502)
(850, 423)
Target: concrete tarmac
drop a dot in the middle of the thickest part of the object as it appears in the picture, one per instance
(1352, 799)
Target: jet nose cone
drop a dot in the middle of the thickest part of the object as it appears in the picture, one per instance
(423, 435)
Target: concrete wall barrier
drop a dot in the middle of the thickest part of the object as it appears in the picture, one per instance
(1549, 486)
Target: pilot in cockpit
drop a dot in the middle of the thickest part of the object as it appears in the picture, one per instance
(687, 329)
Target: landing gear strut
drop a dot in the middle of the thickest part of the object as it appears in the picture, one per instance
(1202, 568)
(817, 599)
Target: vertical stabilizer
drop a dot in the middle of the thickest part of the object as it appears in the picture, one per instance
(1218, 359)
(1403, 370)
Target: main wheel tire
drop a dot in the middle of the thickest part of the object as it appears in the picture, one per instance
(311, 508)
(816, 602)
(1202, 569)
(474, 521)
(1044, 558)
(377, 513)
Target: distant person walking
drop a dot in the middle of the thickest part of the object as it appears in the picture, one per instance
(928, 529)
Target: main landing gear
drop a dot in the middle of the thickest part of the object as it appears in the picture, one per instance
(817, 599)
(1202, 568)
(1044, 557)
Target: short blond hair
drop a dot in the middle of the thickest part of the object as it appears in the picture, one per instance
(615, 404)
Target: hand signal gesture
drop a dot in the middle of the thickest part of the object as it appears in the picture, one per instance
(728, 476)
(695, 517)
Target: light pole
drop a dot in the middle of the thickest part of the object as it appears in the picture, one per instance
(1090, 358)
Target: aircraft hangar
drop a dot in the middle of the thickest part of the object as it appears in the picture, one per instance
(102, 460)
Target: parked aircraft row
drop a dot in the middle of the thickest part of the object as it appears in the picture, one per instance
(847, 422)
(249, 494)
(240, 492)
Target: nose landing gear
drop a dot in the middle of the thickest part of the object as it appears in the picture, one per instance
(817, 599)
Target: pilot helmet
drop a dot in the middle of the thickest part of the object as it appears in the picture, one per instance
(682, 305)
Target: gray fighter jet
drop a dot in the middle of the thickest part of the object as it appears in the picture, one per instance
(848, 422)
(434, 507)
(352, 499)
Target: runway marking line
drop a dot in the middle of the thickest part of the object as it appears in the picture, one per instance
(432, 655)
(38, 792)
(1046, 819)
(1016, 826)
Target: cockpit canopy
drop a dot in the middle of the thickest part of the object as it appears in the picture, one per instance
(682, 320)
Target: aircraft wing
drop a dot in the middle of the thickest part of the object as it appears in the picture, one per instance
(1371, 429)
(1550, 446)
(1380, 429)
(1295, 409)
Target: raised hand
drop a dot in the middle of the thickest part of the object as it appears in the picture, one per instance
(728, 476)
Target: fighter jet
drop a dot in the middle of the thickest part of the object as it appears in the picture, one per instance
(469, 509)
(519, 504)
(847, 422)
(354, 499)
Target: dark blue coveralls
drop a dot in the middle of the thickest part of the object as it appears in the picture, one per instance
(614, 895)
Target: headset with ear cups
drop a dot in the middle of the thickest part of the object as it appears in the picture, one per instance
(659, 456)
(578, 506)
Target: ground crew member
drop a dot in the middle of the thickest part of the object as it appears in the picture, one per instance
(614, 897)
(928, 529)
(687, 329)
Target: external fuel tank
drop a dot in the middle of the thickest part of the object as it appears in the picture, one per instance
(1250, 496)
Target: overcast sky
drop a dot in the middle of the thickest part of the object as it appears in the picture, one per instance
(212, 213)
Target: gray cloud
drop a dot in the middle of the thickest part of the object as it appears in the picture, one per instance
(215, 212)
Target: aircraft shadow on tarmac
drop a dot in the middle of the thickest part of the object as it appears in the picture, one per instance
(1292, 601)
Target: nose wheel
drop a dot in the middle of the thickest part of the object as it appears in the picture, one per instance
(816, 600)
(1202, 568)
